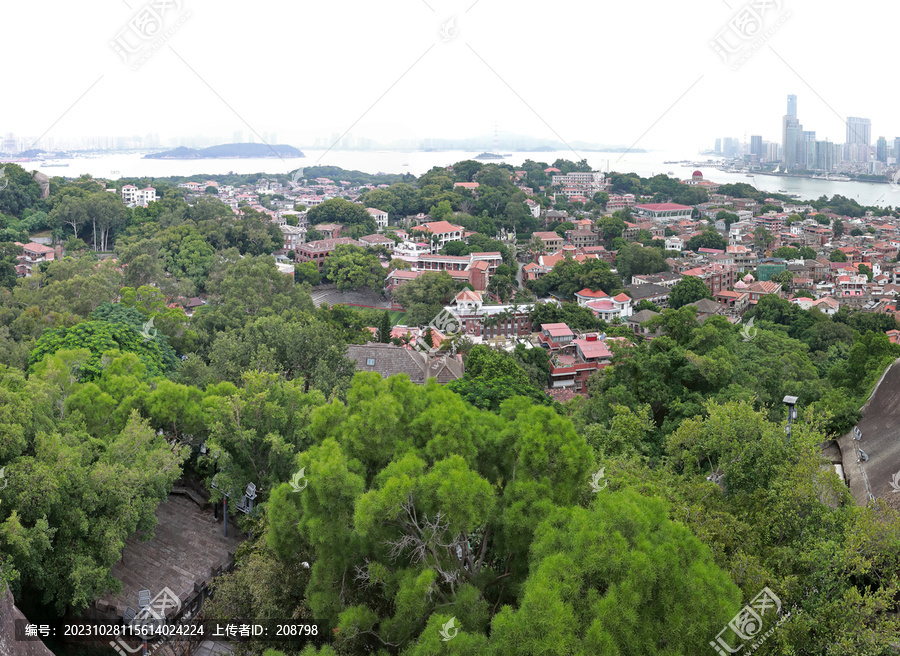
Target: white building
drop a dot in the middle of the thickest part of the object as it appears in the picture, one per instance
(409, 251)
(380, 216)
(443, 230)
(674, 243)
(607, 309)
(134, 197)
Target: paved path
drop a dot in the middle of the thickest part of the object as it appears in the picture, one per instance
(880, 427)
(188, 543)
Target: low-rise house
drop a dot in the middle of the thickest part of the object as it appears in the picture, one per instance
(582, 238)
(555, 336)
(716, 276)
(134, 197)
(663, 279)
(635, 320)
(489, 321)
(444, 231)
(656, 294)
(571, 368)
(317, 251)
(33, 255)
(552, 241)
(399, 277)
(851, 285)
(532, 271)
(707, 308)
(609, 309)
(586, 295)
(762, 288)
(380, 216)
(390, 360)
(377, 240)
(329, 230)
(826, 304)
(734, 301)
(292, 236)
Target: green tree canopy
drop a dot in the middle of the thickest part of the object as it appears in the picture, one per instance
(687, 290)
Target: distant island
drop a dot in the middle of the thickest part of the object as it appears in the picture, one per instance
(230, 151)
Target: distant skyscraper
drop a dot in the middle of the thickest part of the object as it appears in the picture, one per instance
(792, 155)
(859, 130)
(897, 149)
(792, 105)
(756, 145)
(808, 150)
(881, 150)
(731, 147)
(821, 156)
(718, 146)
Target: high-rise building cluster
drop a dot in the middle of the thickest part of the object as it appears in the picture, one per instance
(802, 150)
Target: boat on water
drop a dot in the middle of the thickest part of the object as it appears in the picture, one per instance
(671, 173)
(52, 163)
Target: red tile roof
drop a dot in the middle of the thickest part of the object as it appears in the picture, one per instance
(590, 293)
(593, 349)
(557, 329)
(437, 227)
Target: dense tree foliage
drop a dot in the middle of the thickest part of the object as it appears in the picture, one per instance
(424, 297)
(340, 211)
(688, 290)
(569, 276)
(638, 519)
(351, 267)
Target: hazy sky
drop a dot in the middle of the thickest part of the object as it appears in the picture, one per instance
(639, 72)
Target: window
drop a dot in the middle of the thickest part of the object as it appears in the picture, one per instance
(370, 361)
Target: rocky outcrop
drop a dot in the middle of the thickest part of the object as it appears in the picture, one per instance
(8, 644)
(44, 181)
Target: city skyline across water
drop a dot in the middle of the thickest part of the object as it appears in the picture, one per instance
(132, 165)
